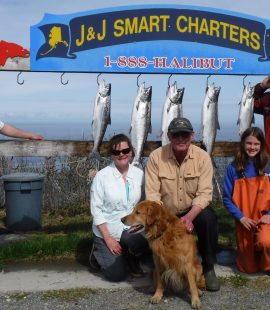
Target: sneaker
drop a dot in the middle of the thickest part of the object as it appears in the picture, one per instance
(94, 265)
(211, 281)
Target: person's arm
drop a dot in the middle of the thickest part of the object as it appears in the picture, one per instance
(96, 208)
(190, 216)
(265, 219)
(152, 181)
(203, 195)
(11, 131)
(261, 97)
(229, 179)
(265, 83)
(112, 244)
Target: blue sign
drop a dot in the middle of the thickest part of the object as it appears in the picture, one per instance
(152, 39)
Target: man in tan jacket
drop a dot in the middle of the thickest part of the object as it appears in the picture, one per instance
(179, 175)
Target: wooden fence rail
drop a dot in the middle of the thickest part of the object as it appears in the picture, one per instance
(83, 148)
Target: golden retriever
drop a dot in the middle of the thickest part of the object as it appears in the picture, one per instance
(174, 250)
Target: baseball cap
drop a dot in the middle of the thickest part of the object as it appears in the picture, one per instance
(179, 124)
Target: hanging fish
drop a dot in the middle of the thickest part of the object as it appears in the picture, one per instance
(210, 123)
(140, 121)
(246, 117)
(101, 116)
(172, 108)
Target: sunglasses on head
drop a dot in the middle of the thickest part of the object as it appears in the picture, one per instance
(118, 152)
(182, 134)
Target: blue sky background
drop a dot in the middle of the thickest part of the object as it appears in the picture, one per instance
(42, 101)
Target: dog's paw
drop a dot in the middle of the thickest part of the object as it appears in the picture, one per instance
(155, 299)
(200, 292)
(196, 303)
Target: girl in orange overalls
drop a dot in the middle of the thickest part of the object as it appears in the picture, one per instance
(247, 198)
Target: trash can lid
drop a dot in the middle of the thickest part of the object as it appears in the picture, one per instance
(22, 176)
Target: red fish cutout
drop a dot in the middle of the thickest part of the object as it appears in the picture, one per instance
(11, 50)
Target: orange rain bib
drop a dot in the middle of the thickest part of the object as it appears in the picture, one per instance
(252, 197)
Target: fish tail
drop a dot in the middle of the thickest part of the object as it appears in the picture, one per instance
(137, 163)
(94, 156)
(203, 146)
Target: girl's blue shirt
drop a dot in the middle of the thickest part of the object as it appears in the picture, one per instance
(229, 179)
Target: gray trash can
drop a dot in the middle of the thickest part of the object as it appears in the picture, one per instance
(23, 200)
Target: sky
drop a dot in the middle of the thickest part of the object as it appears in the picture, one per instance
(43, 100)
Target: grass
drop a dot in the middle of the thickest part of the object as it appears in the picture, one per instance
(67, 235)
(61, 237)
(41, 245)
(258, 283)
(236, 281)
(19, 296)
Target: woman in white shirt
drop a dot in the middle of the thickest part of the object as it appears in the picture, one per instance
(115, 190)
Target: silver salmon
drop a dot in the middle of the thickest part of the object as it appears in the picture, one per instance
(172, 108)
(101, 116)
(140, 121)
(246, 116)
(210, 123)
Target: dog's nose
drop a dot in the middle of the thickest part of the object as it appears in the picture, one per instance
(123, 219)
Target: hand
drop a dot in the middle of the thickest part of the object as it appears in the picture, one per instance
(33, 136)
(265, 219)
(187, 222)
(92, 173)
(265, 82)
(113, 245)
(248, 223)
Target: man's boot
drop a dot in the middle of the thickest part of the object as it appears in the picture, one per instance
(211, 280)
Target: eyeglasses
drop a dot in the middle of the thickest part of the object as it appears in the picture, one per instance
(181, 134)
(118, 152)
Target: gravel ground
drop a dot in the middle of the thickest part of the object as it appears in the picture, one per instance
(252, 295)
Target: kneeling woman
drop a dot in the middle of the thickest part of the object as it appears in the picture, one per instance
(247, 198)
(115, 191)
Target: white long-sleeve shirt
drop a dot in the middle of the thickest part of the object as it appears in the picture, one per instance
(109, 201)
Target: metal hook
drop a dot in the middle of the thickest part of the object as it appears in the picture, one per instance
(98, 79)
(207, 79)
(20, 83)
(244, 80)
(169, 80)
(138, 79)
(63, 83)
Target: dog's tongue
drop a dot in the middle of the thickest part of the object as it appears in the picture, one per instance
(135, 228)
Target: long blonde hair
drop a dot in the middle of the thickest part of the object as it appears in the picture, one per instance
(261, 159)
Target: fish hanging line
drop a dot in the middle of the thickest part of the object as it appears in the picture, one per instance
(207, 80)
(169, 78)
(98, 78)
(22, 81)
(244, 85)
(207, 83)
(18, 76)
(63, 83)
(138, 80)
